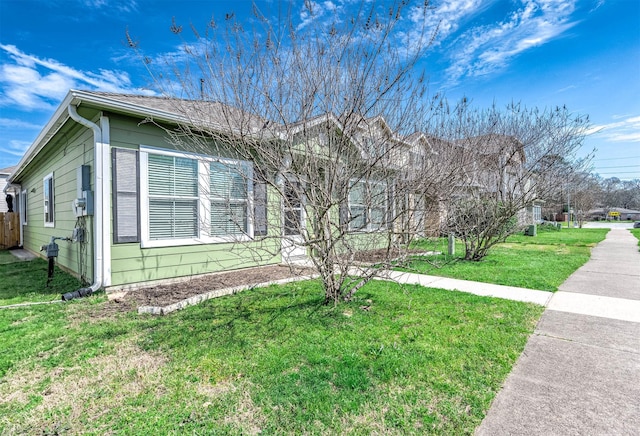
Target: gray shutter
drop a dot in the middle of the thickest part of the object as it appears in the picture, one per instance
(259, 206)
(126, 223)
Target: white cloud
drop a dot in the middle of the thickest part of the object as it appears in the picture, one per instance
(110, 5)
(489, 48)
(16, 147)
(445, 16)
(30, 82)
(627, 130)
(18, 124)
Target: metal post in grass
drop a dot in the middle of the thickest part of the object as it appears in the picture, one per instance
(452, 245)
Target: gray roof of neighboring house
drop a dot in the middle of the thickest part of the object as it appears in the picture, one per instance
(613, 209)
(7, 170)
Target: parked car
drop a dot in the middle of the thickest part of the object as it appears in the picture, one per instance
(636, 225)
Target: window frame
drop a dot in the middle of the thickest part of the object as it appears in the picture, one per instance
(203, 200)
(48, 200)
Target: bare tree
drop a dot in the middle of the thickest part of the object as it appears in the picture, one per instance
(586, 190)
(317, 112)
(512, 161)
(619, 193)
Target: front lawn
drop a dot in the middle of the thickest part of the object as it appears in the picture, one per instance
(396, 360)
(541, 262)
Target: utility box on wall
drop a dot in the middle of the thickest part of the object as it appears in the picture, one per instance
(83, 203)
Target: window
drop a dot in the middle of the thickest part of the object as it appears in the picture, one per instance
(368, 205)
(48, 197)
(537, 214)
(125, 195)
(191, 199)
(229, 198)
(173, 197)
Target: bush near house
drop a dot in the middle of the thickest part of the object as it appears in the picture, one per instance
(542, 262)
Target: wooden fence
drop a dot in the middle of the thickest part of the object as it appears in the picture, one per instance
(9, 229)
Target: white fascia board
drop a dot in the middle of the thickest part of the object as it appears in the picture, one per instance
(60, 116)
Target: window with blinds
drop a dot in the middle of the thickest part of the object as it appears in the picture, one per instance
(367, 206)
(229, 198)
(173, 197)
(193, 199)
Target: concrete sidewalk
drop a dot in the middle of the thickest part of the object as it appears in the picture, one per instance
(580, 371)
(485, 289)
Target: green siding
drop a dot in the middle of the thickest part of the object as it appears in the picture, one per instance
(132, 264)
(70, 148)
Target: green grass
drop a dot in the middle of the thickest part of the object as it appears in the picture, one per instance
(542, 262)
(636, 233)
(396, 360)
(24, 281)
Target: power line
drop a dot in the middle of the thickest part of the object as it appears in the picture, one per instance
(624, 166)
(620, 172)
(617, 158)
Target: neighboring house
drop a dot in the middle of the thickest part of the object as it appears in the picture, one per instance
(487, 166)
(614, 213)
(4, 174)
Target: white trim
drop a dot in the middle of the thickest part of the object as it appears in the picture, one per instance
(203, 198)
(23, 207)
(105, 184)
(50, 202)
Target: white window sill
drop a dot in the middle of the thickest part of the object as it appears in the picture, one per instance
(184, 242)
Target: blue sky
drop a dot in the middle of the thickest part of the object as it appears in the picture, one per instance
(584, 54)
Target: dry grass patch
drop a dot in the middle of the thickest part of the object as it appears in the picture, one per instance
(70, 399)
(246, 416)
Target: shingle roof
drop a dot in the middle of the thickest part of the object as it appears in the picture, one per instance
(199, 113)
(7, 170)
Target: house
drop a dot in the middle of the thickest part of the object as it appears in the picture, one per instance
(480, 167)
(614, 213)
(135, 209)
(4, 175)
(136, 189)
(109, 180)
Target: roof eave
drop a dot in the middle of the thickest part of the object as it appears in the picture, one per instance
(60, 116)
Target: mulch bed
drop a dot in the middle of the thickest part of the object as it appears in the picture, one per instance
(163, 295)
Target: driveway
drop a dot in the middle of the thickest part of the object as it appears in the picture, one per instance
(607, 225)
